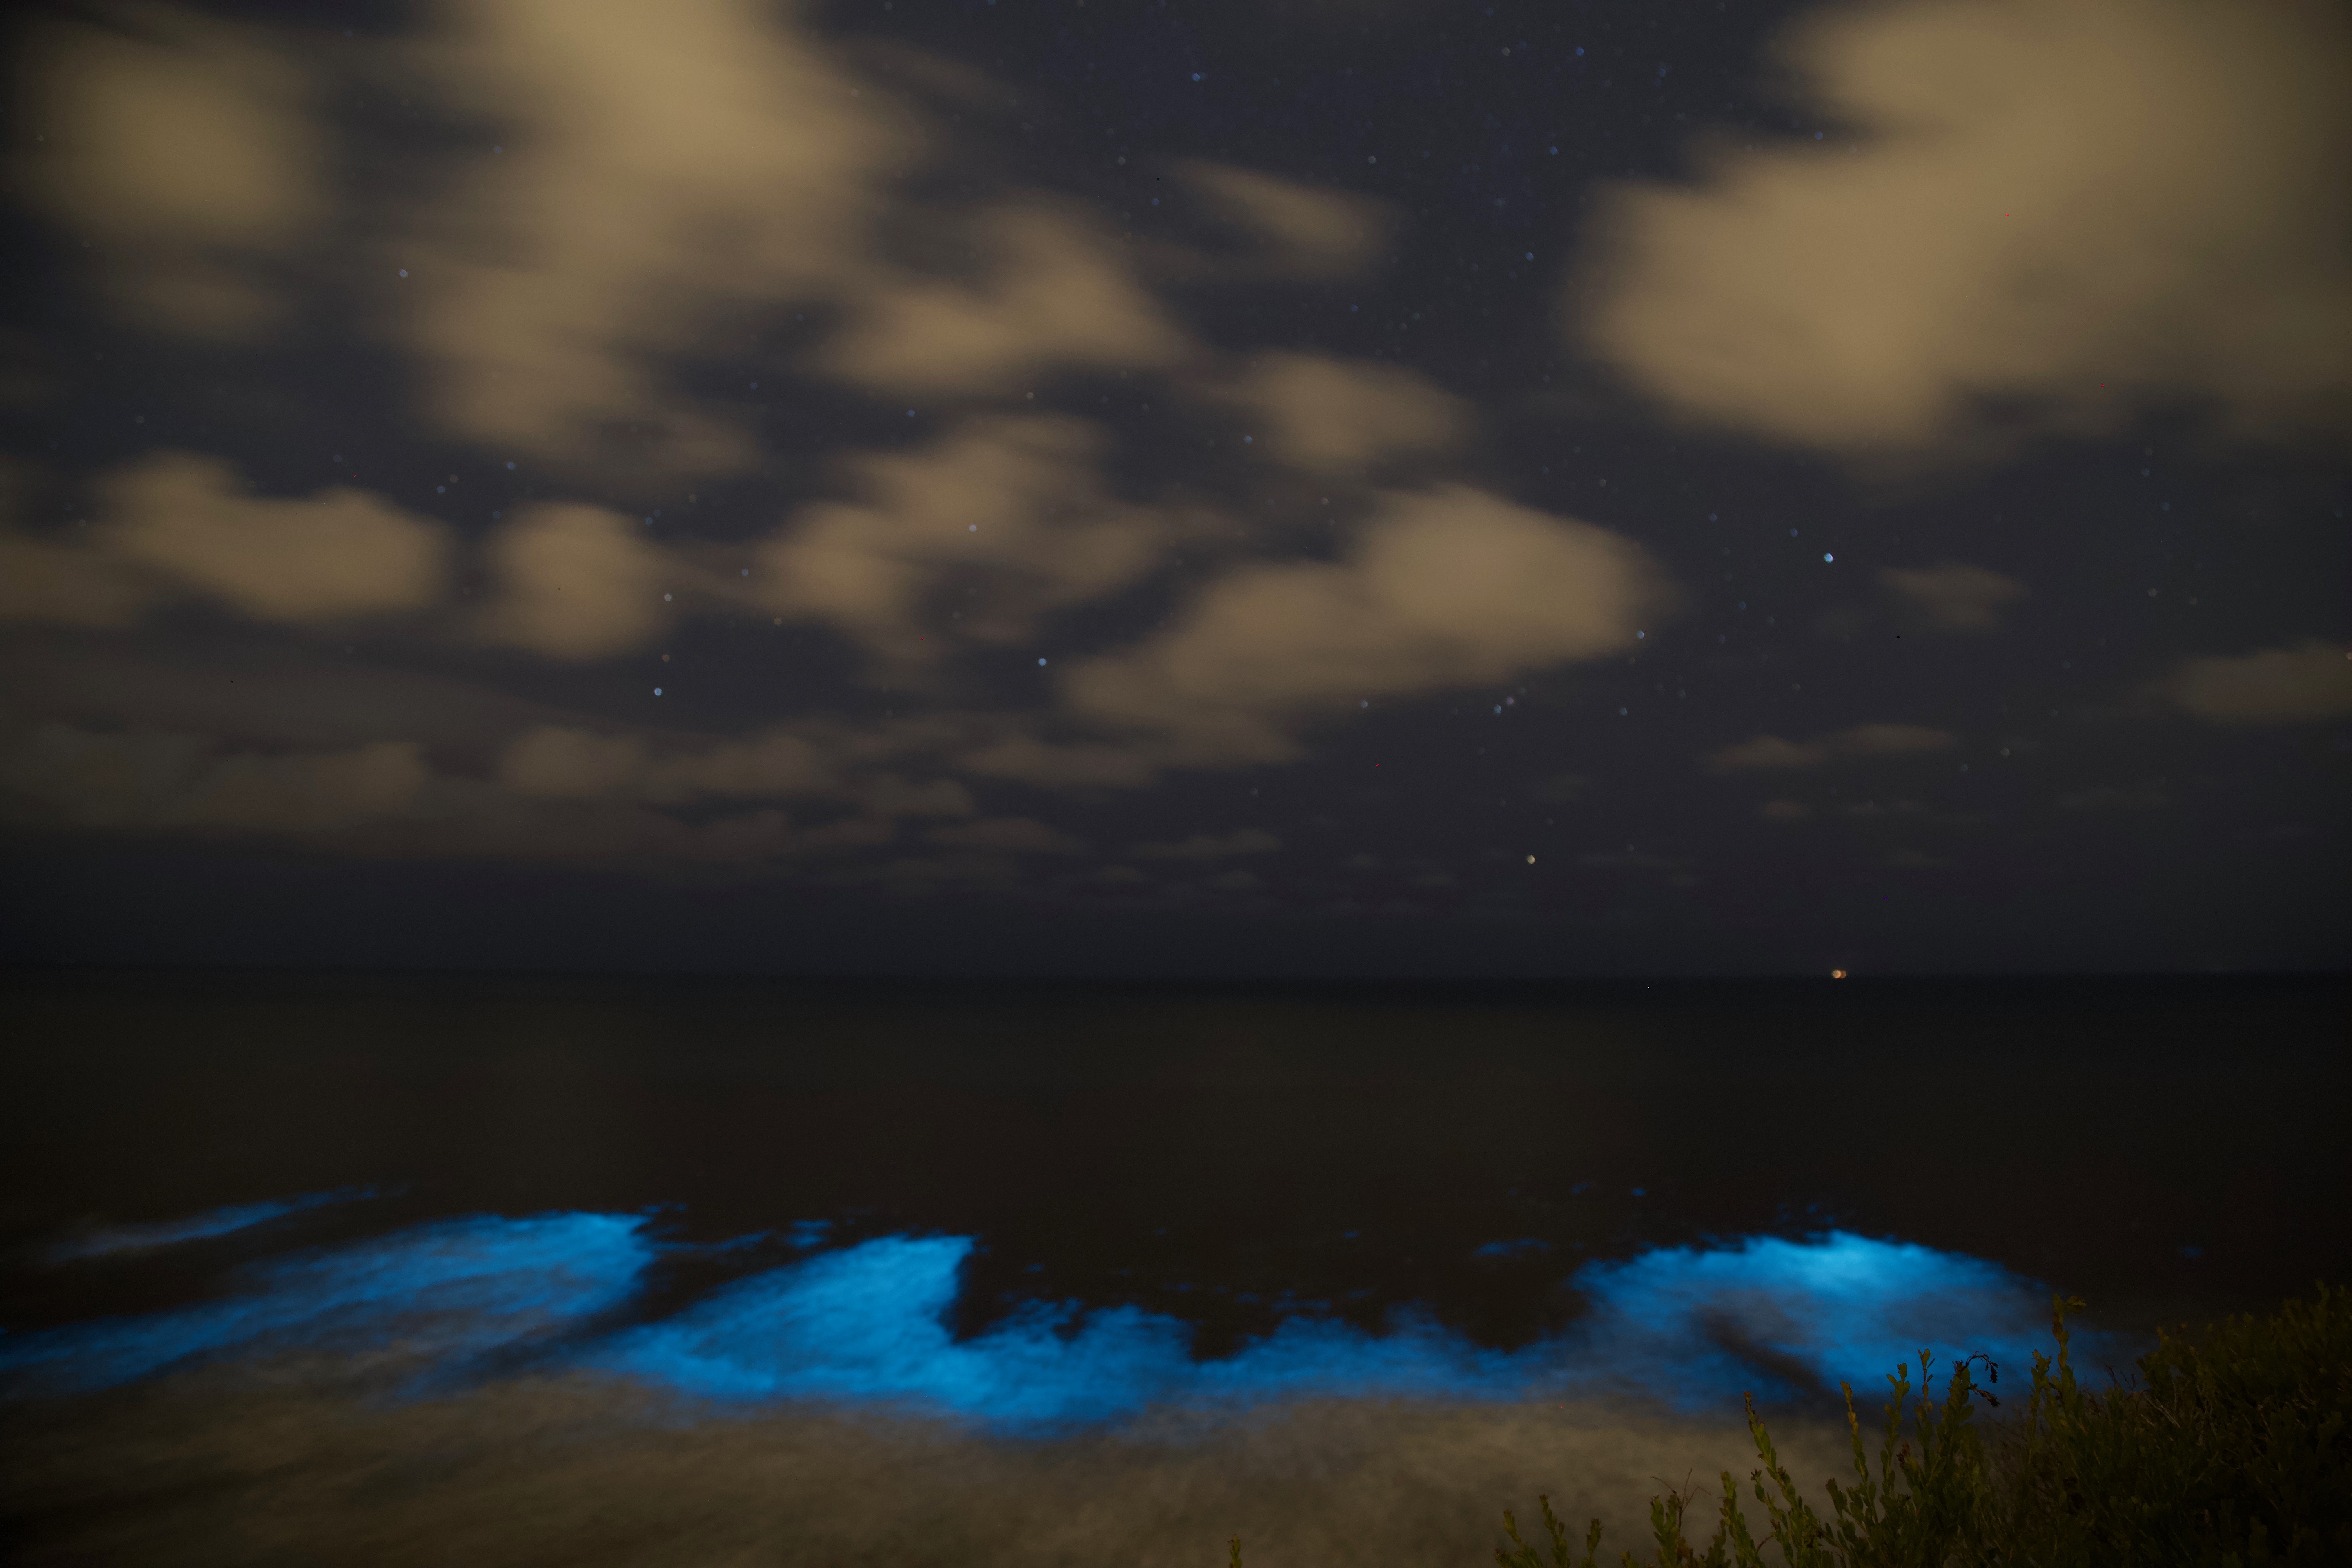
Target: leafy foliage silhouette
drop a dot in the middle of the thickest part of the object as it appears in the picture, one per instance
(2229, 1450)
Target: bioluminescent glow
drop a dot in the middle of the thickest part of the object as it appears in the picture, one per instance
(867, 1324)
(1769, 1314)
(116, 1239)
(445, 1291)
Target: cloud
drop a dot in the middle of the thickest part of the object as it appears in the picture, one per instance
(890, 796)
(2277, 686)
(1312, 231)
(661, 173)
(1449, 587)
(1070, 764)
(276, 695)
(1211, 846)
(568, 762)
(554, 762)
(1891, 740)
(146, 780)
(1328, 415)
(1784, 811)
(1955, 597)
(554, 796)
(68, 584)
(1013, 834)
(343, 553)
(1770, 753)
(576, 582)
(969, 541)
(2066, 207)
(654, 182)
(176, 523)
(186, 150)
(1057, 291)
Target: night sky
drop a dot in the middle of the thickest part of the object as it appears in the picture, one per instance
(1195, 487)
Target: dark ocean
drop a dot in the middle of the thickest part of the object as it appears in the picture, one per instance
(521, 1269)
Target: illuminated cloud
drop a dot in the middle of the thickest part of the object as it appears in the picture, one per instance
(576, 582)
(969, 541)
(560, 762)
(661, 172)
(2062, 209)
(68, 585)
(343, 553)
(175, 523)
(148, 780)
(1770, 752)
(890, 796)
(1076, 764)
(554, 762)
(557, 795)
(1891, 740)
(655, 182)
(1053, 290)
(306, 695)
(1009, 834)
(1311, 231)
(1450, 587)
(1211, 846)
(187, 152)
(1953, 597)
(1329, 416)
(2301, 685)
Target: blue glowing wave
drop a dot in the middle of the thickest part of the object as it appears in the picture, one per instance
(1775, 1316)
(867, 1324)
(444, 1292)
(115, 1239)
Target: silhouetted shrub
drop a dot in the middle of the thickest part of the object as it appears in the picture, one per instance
(2229, 1449)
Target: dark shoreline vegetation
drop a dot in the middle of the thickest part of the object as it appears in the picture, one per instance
(2229, 1448)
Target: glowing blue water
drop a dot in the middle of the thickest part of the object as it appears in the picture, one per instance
(195, 1228)
(867, 1324)
(445, 1291)
(1842, 1307)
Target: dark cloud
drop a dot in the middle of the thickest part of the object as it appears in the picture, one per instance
(1952, 596)
(2306, 685)
(1770, 751)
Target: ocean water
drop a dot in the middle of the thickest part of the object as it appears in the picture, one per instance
(518, 1269)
